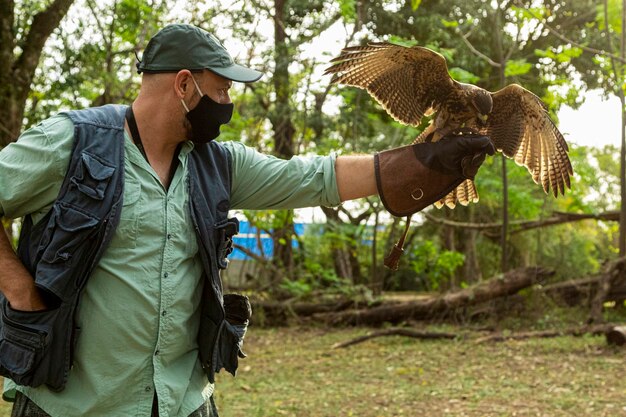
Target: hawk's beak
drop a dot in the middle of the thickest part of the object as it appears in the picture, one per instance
(483, 117)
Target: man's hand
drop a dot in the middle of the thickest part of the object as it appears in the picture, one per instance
(16, 284)
(413, 177)
(237, 308)
(456, 154)
(28, 300)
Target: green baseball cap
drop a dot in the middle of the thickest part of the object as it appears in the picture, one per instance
(180, 46)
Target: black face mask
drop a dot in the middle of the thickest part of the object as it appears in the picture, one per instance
(207, 117)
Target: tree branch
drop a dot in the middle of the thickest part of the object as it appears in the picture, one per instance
(570, 41)
(263, 261)
(7, 38)
(476, 51)
(524, 225)
(417, 334)
(96, 16)
(572, 331)
(43, 25)
(616, 72)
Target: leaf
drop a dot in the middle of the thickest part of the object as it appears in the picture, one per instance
(568, 53)
(347, 9)
(415, 4)
(463, 76)
(516, 67)
(397, 40)
(449, 23)
(545, 53)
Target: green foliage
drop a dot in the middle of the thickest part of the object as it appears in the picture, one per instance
(297, 288)
(517, 67)
(433, 265)
(91, 58)
(449, 23)
(614, 14)
(415, 4)
(463, 76)
(90, 61)
(348, 10)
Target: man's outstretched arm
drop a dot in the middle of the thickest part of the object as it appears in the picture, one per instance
(355, 176)
(16, 283)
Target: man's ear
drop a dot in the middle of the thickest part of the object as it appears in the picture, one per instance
(183, 84)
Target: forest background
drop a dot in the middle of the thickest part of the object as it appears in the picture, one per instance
(71, 54)
(57, 55)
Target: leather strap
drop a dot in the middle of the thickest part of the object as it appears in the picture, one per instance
(393, 259)
(136, 137)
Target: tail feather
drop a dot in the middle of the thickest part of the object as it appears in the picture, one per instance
(464, 194)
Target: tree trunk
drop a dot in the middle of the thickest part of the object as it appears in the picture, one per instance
(618, 70)
(471, 267)
(377, 279)
(345, 261)
(282, 124)
(282, 237)
(17, 71)
(609, 276)
(505, 184)
(281, 120)
(470, 272)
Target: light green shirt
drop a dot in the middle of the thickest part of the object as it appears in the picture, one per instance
(139, 312)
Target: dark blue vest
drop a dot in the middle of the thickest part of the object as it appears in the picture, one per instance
(62, 249)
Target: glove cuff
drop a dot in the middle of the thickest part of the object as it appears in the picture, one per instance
(406, 185)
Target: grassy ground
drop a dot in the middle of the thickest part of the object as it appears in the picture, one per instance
(293, 372)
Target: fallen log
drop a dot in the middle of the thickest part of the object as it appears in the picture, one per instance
(500, 286)
(582, 291)
(572, 331)
(616, 335)
(417, 334)
(269, 313)
(301, 308)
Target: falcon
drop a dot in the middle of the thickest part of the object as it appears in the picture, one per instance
(413, 82)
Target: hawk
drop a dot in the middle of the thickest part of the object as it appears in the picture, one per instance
(411, 82)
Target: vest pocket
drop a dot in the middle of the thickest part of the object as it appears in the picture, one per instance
(64, 234)
(22, 345)
(92, 176)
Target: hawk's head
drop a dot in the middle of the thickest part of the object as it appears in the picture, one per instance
(482, 102)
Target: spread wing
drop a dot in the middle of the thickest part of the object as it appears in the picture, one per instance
(407, 82)
(521, 128)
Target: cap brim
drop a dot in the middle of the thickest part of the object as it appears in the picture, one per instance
(238, 73)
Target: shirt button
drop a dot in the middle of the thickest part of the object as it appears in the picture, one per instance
(148, 389)
(165, 275)
(164, 313)
(169, 236)
(156, 353)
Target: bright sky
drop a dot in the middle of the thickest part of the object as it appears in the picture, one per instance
(596, 123)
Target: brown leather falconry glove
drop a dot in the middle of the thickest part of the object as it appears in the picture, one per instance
(413, 177)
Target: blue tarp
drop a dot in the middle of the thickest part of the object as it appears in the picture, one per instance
(247, 238)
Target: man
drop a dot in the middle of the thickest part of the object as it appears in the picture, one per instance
(113, 306)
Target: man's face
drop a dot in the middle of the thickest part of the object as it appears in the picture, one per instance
(211, 84)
